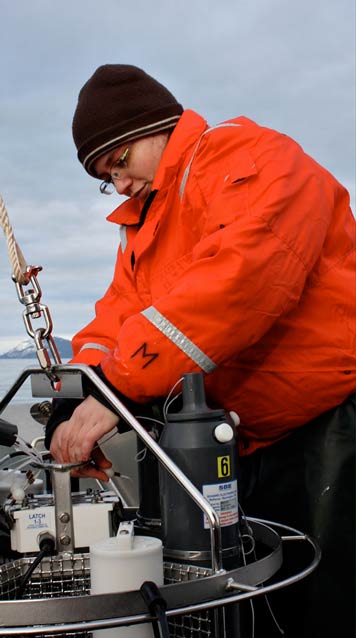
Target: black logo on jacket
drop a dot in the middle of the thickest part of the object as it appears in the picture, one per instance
(151, 356)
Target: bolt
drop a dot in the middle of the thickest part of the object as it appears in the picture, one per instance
(64, 517)
(64, 539)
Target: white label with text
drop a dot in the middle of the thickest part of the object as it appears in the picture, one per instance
(223, 498)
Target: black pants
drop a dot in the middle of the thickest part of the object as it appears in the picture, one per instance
(308, 481)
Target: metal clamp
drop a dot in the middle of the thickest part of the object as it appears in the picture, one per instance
(63, 506)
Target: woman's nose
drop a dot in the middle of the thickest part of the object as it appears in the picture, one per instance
(122, 184)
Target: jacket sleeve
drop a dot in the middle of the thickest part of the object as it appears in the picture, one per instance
(265, 216)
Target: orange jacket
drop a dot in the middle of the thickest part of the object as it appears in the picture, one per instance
(244, 268)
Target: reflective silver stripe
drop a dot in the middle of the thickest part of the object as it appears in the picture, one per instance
(179, 339)
(94, 346)
(186, 173)
(161, 125)
(187, 170)
(123, 237)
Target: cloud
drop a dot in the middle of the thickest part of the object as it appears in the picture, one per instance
(289, 66)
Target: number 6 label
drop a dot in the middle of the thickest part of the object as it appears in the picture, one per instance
(224, 466)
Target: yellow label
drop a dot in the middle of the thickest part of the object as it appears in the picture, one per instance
(224, 466)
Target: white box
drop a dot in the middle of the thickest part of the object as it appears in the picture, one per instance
(92, 523)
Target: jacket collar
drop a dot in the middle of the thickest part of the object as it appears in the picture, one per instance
(175, 156)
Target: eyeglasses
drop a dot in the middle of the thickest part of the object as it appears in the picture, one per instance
(107, 187)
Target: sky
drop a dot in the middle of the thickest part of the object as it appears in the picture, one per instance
(287, 65)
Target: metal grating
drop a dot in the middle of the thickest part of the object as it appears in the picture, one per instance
(190, 625)
(70, 576)
(53, 578)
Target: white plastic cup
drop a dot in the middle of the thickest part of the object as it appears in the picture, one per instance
(123, 563)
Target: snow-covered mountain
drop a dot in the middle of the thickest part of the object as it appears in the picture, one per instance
(27, 349)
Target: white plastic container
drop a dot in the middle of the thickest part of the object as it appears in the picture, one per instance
(123, 563)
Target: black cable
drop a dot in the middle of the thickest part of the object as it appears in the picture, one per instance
(26, 577)
(12, 455)
(46, 549)
(157, 607)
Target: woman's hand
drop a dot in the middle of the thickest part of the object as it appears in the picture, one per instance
(74, 440)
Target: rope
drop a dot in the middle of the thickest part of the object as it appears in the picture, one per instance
(17, 260)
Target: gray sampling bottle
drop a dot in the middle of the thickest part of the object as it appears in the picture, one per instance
(202, 442)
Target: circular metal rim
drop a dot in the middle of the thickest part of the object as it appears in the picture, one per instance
(179, 596)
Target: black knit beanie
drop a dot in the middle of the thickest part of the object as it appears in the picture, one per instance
(120, 103)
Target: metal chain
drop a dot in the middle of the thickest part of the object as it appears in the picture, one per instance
(24, 275)
(34, 309)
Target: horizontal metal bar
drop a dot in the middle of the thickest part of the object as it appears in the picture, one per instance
(302, 537)
(233, 584)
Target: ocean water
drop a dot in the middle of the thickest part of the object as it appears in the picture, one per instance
(10, 370)
(18, 410)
